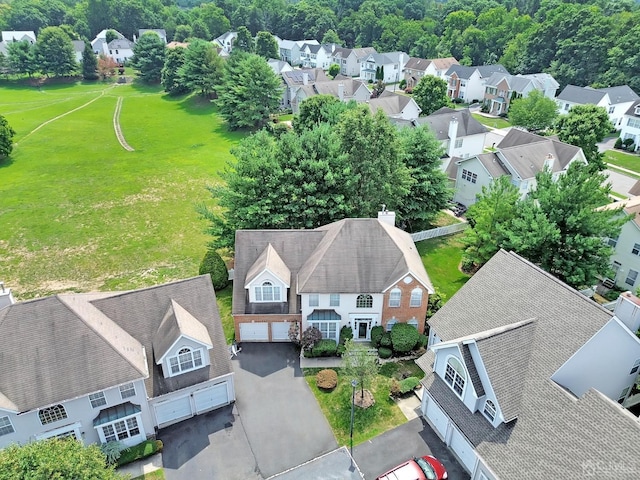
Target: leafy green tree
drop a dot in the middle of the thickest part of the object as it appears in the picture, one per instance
(244, 41)
(267, 46)
(199, 30)
(111, 35)
(148, 57)
(99, 15)
(250, 91)
(213, 17)
(89, 63)
(330, 36)
(334, 70)
(431, 94)
(202, 67)
(319, 109)
(429, 192)
(496, 206)
(21, 57)
(6, 137)
(172, 82)
(182, 33)
(359, 364)
(584, 126)
(534, 112)
(213, 265)
(55, 458)
(54, 53)
(560, 227)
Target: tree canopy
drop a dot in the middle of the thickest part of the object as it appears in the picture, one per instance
(431, 94)
(148, 57)
(202, 67)
(534, 112)
(54, 52)
(6, 137)
(267, 46)
(89, 63)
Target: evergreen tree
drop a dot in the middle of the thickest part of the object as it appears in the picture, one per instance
(267, 46)
(172, 81)
(6, 137)
(202, 67)
(89, 63)
(54, 53)
(148, 57)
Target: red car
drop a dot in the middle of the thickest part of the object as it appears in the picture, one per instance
(420, 468)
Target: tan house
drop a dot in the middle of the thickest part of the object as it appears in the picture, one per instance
(416, 68)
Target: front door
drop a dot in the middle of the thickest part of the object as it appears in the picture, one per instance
(362, 330)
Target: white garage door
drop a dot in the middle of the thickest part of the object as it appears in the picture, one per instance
(462, 447)
(211, 397)
(280, 331)
(171, 411)
(437, 417)
(254, 332)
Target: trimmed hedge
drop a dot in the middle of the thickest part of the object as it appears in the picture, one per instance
(385, 341)
(384, 352)
(422, 341)
(404, 337)
(409, 384)
(324, 348)
(327, 379)
(142, 450)
(214, 265)
(376, 335)
(346, 333)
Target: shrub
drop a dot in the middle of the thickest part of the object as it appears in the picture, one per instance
(142, 450)
(394, 388)
(627, 141)
(618, 143)
(385, 352)
(376, 335)
(404, 337)
(327, 379)
(422, 341)
(458, 100)
(403, 84)
(294, 333)
(310, 337)
(631, 148)
(385, 341)
(213, 264)
(409, 384)
(346, 333)
(113, 450)
(340, 350)
(325, 348)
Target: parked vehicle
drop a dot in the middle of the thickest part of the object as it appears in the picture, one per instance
(418, 468)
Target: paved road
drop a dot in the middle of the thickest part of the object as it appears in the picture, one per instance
(620, 183)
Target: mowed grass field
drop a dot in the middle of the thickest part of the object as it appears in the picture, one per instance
(80, 213)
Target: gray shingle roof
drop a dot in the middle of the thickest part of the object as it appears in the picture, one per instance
(390, 103)
(588, 95)
(120, 43)
(465, 72)
(332, 87)
(632, 109)
(471, 368)
(440, 119)
(269, 259)
(415, 63)
(296, 77)
(569, 434)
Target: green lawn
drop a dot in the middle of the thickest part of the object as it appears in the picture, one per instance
(224, 307)
(80, 213)
(624, 160)
(155, 475)
(441, 257)
(492, 122)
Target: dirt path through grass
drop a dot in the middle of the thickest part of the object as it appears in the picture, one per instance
(116, 126)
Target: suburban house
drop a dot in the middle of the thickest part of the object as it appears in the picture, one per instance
(520, 155)
(112, 366)
(630, 124)
(225, 42)
(416, 68)
(395, 106)
(18, 36)
(295, 79)
(344, 90)
(161, 32)
(625, 260)
(502, 88)
(290, 50)
(356, 272)
(468, 83)
(616, 100)
(121, 50)
(279, 66)
(461, 135)
(78, 49)
(313, 55)
(389, 64)
(350, 59)
(99, 44)
(525, 376)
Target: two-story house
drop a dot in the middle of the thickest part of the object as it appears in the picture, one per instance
(416, 68)
(526, 382)
(625, 260)
(313, 55)
(468, 83)
(225, 42)
(616, 100)
(520, 155)
(295, 79)
(395, 106)
(121, 50)
(350, 59)
(461, 135)
(112, 366)
(161, 32)
(630, 124)
(292, 50)
(501, 89)
(389, 65)
(356, 272)
(344, 89)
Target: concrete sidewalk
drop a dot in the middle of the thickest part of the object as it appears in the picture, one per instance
(142, 467)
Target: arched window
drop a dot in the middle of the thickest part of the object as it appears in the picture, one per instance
(267, 292)
(364, 301)
(394, 297)
(416, 297)
(391, 323)
(52, 414)
(490, 410)
(413, 322)
(455, 375)
(186, 360)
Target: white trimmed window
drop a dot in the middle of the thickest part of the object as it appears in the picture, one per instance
(328, 329)
(127, 390)
(364, 301)
(334, 300)
(632, 276)
(612, 242)
(121, 429)
(5, 426)
(391, 323)
(413, 322)
(394, 297)
(469, 176)
(458, 143)
(490, 410)
(636, 249)
(52, 414)
(267, 292)
(623, 394)
(634, 123)
(455, 375)
(314, 300)
(97, 399)
(416, 298)
(187, 359)
(634, 368)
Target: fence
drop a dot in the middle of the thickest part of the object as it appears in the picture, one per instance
(439, 232)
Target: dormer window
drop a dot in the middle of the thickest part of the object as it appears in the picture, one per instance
(489, 410)
(52, 414)
(455, 375)
(187, 359)
(267, 292)
(364, 301)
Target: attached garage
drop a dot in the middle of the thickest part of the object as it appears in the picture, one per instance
(280, 331)
(463, 449)
(254, 332)
(211, 397)
(173, 410)
(436, 416)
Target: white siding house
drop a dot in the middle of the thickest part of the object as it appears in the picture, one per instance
(616, 100)
(630, 125)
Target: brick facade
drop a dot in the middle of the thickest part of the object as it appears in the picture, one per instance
(405, 312)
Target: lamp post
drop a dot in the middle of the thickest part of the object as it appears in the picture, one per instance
(354, 384)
